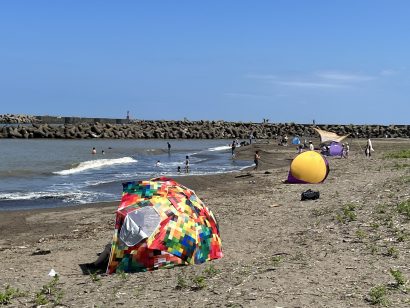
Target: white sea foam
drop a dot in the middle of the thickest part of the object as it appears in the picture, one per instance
(220, 148)
(22, 196)
(72, 196)
(96, 164)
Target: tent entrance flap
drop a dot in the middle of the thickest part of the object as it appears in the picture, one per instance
(139, 225)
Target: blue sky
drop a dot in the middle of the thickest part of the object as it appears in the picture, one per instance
(289, 61)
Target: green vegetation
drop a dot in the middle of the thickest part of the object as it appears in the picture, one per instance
(398, 154)
(374, 249)
(316, 212)
(398, 277)
(404, 208)
(393, 252)
(400, 234)
(347, 214)
(374, 225)
(377, 296)
(95, 278)
(181, 282)
(50, 293)
(276, 260)
(398, 166)
(361, 234)
(211, 271)
(405, 179)
(8, 294)
(123, 275)
(196, 282)
(199, 282)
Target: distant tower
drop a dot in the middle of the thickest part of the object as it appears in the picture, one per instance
(128, 114)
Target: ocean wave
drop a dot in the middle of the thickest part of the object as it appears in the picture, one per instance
(96, 164)
(66, 197)
(220, 148)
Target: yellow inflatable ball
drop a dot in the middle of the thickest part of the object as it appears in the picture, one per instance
(308, 167)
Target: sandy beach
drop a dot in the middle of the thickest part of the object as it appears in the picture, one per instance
(278, 251)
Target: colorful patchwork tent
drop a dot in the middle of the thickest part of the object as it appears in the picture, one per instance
(160, 224)
(308, 167)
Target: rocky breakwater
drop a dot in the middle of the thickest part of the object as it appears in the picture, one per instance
(194, 130)
(17, 119)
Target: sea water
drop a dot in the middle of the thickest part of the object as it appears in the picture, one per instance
(41, 173)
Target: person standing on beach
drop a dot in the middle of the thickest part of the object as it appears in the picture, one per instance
(285, 140)
(369, 148)
(311, 147)
(187, 164)
(346, 149)
(169, 147)
(256, 160)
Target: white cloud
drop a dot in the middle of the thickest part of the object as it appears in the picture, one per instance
(246, 95)
(319, 80)
(388, 72)
(344, 77)
(305, 84)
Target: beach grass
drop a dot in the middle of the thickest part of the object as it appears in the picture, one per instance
(9, 293)
(398, 154)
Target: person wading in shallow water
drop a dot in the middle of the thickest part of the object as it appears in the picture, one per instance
(233, 147)
(256, 160)
(187, 164)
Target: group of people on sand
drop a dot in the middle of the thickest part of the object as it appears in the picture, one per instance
(305, 145)
(345, 149)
